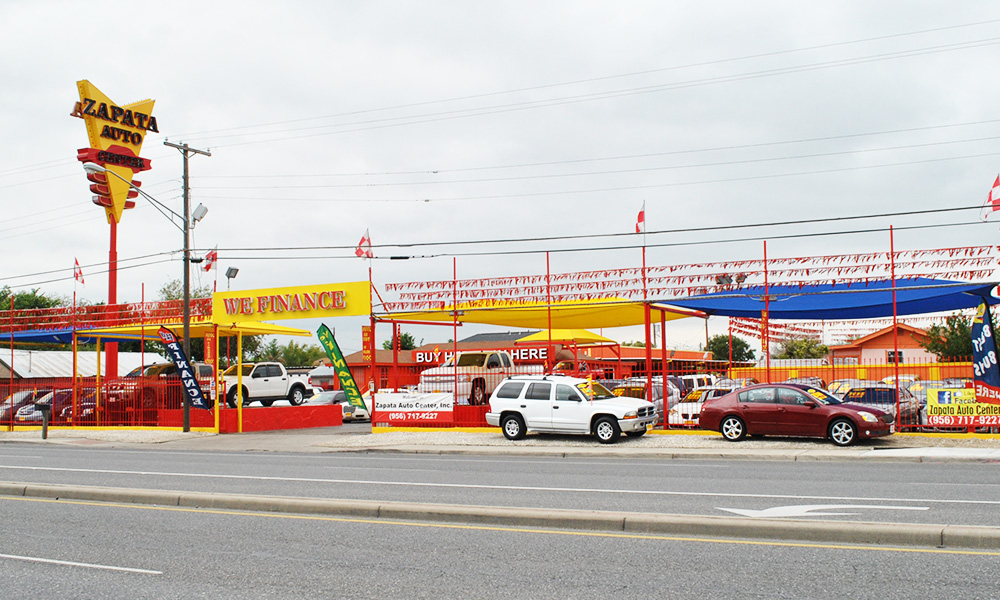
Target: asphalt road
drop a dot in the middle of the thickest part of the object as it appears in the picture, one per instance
(942, 493)
(71, 549)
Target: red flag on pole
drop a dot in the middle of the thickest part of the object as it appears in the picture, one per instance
(77, 271)
(992, 200)
(364, 249)
(210, 259)
(640, 221)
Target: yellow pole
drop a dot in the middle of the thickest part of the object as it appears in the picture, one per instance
(218, 378)
(239, 381)
(97, 384)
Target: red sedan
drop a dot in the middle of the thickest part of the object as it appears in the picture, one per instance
(792, 410)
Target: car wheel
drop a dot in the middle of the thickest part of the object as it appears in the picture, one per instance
(639, 433)
(733, 429)
(843, 432)
(607, 431)
(266, 402)
(478, 395)
(513, 427)
(296, 397)
(231, 398)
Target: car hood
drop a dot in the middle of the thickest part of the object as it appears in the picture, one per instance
(863, 407)
(622, 402)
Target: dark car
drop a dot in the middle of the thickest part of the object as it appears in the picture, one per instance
(54, 401)
(11, 404)
(792, 410)
(883, 397)
(146, 389)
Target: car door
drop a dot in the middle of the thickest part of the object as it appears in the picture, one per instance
(799, 414)
(760, 408)
(570, 412)
(537, 405)
(279, 381)
(261, 386)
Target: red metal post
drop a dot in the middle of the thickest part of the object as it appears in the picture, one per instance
(111, 348)
(729, 371)
(663, 363)
(895, 324)
(454, 325)
(395, 356)
(549, 362)
(647, 317)
(766, 333)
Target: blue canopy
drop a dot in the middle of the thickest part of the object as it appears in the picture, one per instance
(844, 301)
(49, 336)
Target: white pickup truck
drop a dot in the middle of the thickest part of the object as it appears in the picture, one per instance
(265, 382)
(478, 374)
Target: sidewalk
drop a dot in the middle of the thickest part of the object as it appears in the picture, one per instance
(352, 438)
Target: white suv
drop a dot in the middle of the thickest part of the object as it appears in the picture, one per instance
(560, 404)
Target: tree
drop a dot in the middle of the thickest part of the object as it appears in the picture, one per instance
(298, 355)
(799, 348)
(951, 341)
(406, 342)
(27, 300)
(292, 355)
(719, 347)
(634, 344)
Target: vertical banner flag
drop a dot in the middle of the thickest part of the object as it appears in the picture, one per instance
(77, 272)
(347, 383)
(192, 391)
(640, 221)
(366, 343)
(984, 357)
(364, 249)
(210, 259)
(992, 203)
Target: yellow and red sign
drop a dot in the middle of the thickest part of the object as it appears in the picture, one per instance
(115, 134)
(302, 302)
(957, 407)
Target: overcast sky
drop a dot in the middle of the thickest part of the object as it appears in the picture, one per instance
(456, 121)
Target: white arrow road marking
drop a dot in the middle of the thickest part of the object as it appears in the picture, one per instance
(806, 510)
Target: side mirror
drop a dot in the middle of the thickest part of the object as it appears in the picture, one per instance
(812, 403)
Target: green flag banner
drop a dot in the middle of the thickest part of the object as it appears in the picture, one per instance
(347, 383)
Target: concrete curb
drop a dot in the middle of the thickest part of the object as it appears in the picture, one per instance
(847, 532)
(915, 456)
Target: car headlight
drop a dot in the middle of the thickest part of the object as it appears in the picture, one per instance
(867, 416)
(631, 415)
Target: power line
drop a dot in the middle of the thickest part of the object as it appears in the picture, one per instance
(613, 172)
(709, 228)
(387, 122)
(596, 79)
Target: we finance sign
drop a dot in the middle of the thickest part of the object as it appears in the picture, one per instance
(304, 302)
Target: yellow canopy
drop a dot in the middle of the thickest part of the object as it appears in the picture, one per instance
(198, 329)
(580, 337)
(576, 314)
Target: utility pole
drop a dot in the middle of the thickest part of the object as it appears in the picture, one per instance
(186, 151)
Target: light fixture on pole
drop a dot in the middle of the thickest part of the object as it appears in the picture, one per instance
(199, 213)
(230, 274)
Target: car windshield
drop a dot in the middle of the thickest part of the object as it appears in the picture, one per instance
(232, 370)
(823, 396)
(600, 392)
